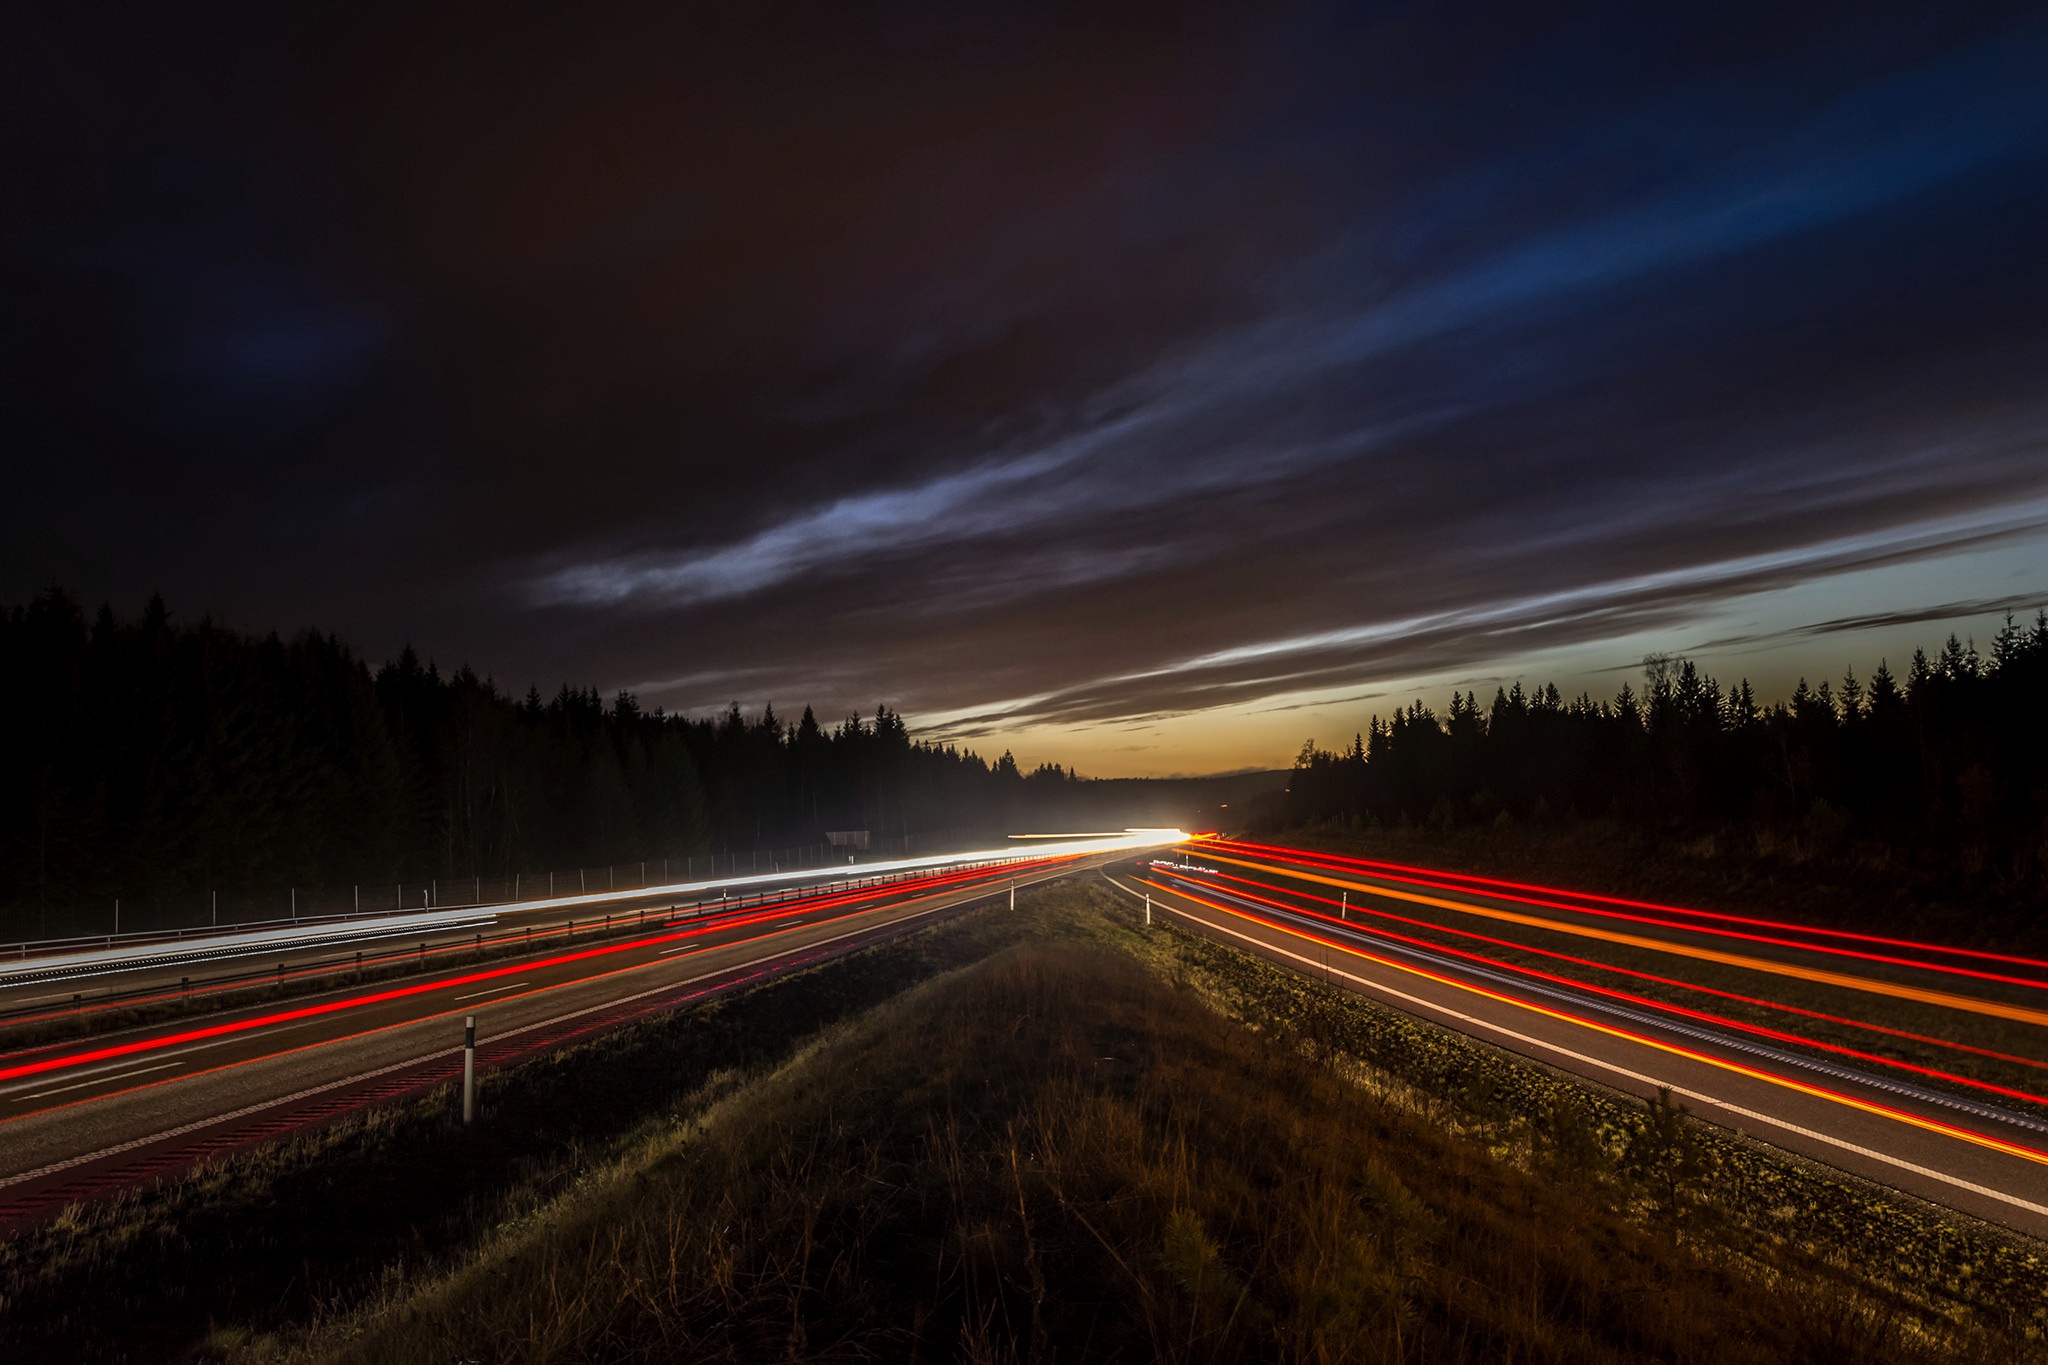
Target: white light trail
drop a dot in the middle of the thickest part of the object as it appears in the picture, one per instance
(230, 944)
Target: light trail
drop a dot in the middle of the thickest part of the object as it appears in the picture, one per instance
(1924, 995)
(1131, 841)
(1768, 941)
(1703, 1016)
(228, 946)
(1885, 1111)
(332, 1007)
(1420, 875)
(709, 912)
(968, 880)
(1907, 1035)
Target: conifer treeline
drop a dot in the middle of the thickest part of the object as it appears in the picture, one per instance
(148, 757)
(1950, 768)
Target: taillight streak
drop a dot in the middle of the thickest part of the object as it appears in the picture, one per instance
(1451, 881)
(1669, 947)
(1358, 907)
(1704, 1016)
(331, 1007)
(1613, 1031)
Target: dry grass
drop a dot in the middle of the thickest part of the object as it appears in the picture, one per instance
(1061, 1153)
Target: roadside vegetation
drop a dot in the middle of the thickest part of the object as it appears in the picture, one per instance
(1051, 1135)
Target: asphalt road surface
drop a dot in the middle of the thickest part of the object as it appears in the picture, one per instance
(104, 1102)
(1986, 1155)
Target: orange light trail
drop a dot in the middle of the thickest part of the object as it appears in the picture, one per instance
(1629, 997)
(1317, 860)
(1885, 1029)
(1949, 1130)
(1416, 873)
(1946, 999)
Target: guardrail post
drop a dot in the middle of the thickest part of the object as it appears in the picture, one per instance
(468, 1068)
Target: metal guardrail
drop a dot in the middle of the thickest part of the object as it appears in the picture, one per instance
(200, 914)
(598, 925)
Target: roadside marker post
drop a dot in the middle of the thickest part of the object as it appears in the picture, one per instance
(468, 1068)
(1344, 909)
(1148, 909)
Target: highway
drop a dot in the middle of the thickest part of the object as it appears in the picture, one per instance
(85, 1116)
(1917, 1066)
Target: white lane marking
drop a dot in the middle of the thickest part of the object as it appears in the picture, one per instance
(1840, 1143)
(182, 1129)
(98, 1080)
(473, 995)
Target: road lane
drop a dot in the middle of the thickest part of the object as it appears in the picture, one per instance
(120, 1109)
(1999, 1175)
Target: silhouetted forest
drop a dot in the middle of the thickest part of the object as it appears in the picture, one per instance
(147, 757)
(1948, 770)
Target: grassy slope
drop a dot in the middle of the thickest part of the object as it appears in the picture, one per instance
(1070, 1150)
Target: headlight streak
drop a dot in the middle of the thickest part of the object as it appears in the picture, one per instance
(1946, 999)
(709, 923)
(1131, 840)
(1886, 1111)
(1445, 881)
(1500, 969)
(332, 1007)
(227, 947)
(709, 913)
(967, 880)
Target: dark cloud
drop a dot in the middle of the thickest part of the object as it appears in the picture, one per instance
(1083, 365)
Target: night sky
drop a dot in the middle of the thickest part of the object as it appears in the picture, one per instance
(1147, 389)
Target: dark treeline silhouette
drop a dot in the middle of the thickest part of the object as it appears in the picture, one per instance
(1948, 770)
(147, 757)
